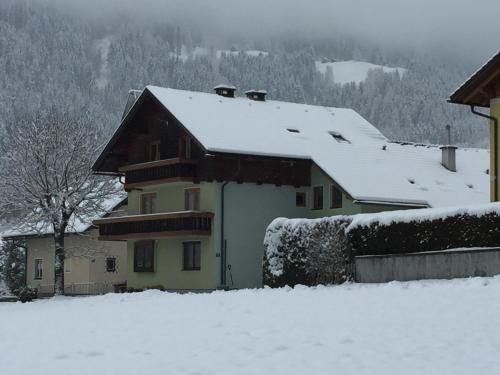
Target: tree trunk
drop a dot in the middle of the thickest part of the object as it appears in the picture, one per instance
(59, 265)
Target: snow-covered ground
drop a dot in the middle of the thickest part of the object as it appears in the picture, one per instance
(352, 71)
(432, 327)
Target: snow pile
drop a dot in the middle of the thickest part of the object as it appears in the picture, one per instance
(344, 72)
(432, 327)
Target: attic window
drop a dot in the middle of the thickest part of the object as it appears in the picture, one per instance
(338, 137)
(292, 130)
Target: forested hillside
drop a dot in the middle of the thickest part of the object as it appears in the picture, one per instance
(52, 58)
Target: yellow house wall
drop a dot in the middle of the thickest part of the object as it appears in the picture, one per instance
(85, 262)
(169, 251)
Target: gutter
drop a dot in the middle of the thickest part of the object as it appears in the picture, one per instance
(223, 258)
(495, 149)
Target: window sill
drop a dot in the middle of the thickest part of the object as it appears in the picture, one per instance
(191, 269)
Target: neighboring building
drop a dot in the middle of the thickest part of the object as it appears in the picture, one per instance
(482, 89)
(206, 174)
(90, 267)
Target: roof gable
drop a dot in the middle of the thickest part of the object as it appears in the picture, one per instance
(479, 88)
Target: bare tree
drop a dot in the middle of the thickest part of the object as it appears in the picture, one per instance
(46, 177)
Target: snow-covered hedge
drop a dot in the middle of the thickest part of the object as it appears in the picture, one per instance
(320, 251)
(425, 230)
(308, 252)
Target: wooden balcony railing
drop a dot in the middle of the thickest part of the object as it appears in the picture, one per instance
(155, 225)
(160, 171)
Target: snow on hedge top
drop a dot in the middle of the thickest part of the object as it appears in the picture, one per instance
(418, 215)
(341, 142)
(345, 72)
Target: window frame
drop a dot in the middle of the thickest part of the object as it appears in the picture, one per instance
(153, 207)
(157, 156)
(314, 195)
(68, 262)
(304, 195)
(334, 203)
(185, 247)
(114, 263)
(196, 201)
(143, 268)
(185, 147)
(35, 273)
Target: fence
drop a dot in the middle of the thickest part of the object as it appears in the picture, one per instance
(77, 289)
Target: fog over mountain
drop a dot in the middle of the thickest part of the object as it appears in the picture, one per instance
(86, 55)
(457, 26)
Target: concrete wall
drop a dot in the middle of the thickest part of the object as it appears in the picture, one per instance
(85, 263)
(432, 265)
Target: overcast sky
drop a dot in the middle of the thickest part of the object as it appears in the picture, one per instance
(468, 26)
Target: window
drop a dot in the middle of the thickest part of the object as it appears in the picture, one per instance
(144, 256)
(67, 265)
(192, 199)
(338, 137)
(185, 147)
(335, 197)
(300, 199)
(192, 256)
(110, 264)
(38, 269)
(318, 198)
(148, 203)
(154, 151)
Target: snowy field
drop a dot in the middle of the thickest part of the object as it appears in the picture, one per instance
(432, 327)
(353, 71)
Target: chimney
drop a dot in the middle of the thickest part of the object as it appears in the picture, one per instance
(133, 95)
(225, 90)
(258, 95)
(448, 157)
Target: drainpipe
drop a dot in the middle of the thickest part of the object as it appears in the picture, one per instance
(495, 149)
(222, 241)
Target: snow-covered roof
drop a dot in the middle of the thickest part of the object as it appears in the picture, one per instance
(360, 164)
(75, 226)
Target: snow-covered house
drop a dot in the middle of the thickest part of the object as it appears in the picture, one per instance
(206, 173)
(91, 266)
(482, 90)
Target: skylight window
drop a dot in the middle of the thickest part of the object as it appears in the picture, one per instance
(293, 130)
(338, 137)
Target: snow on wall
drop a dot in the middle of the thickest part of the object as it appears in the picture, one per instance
(345, 72)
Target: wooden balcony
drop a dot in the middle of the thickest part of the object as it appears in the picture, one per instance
(159, 172)
(155, 225)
